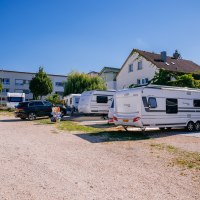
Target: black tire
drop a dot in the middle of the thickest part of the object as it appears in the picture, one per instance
(169, 128)
(31, 116)
(162, 128)
(190, 126)
(197, 126)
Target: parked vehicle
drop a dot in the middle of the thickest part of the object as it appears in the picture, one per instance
(72, 101)
(13, 99)
(95, 101)
(33, 109)
(158, 106)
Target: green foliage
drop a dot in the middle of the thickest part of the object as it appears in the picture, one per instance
(181, 80)
(78, 83)
(176, 55)
(1, 86)
(186, 80)
(41, 84)
(162, 77)
(54, 99)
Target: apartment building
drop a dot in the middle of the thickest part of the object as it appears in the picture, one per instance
(14, 81)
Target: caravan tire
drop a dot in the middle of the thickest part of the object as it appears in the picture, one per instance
(197, 126)
(190, 126)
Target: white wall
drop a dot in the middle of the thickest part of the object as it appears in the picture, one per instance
(28, 76)
(126, 78)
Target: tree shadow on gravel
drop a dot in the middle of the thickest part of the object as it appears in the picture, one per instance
(11, 120)
(120, 135)
(111, 136)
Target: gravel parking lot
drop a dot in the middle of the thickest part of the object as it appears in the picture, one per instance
(40, 162)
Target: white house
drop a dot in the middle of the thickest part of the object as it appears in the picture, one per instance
(108, 74)
(141, 66)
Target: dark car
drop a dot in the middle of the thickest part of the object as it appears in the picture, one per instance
(33, 109)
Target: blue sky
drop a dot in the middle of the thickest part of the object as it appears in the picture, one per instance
(86, 35)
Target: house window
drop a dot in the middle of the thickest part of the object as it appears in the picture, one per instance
(5, 90)
(26, 91)
(5, 81)
(152, 102)
(171, 106)
(102, 99)
(138, 81)
(59, 84)
(143, 81)
(20, 82)
(146, 80)
(139, 65)
(130, 68)
(196, 103)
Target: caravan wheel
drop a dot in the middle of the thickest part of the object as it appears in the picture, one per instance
(190, 126)
(197, 126)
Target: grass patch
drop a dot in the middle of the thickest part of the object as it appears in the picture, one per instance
(185, 159)
(120, 135)
(4, 112)
(70, 126)
(74, 126)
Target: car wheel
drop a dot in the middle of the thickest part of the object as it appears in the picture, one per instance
(162, 128)
(190, 126)
(31, 116)
(197, 126)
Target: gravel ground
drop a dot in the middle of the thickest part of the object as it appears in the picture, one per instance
(38, 162)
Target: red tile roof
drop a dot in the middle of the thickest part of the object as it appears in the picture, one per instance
(172, 64)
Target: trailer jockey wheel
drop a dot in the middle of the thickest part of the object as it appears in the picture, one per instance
(190, 126)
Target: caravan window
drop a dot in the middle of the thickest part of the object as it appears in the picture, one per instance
(196, 103)
(152, 102)
(102, 99)
(171, 106)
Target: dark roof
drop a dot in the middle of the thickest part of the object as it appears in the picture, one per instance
(171, 64)
(109, 69)
(2, 70)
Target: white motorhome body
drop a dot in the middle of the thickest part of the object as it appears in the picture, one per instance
(158, 106)
(95, 101)
(72, 100)
(13, 99)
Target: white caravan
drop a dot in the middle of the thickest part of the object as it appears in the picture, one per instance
(158, 106)
(72, 100)
(13, 99)
(95, 101)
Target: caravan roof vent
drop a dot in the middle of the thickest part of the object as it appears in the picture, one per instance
(167, 63)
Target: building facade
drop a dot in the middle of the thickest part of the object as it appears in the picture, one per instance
(14, 81)
(140, 67)
(108, 74)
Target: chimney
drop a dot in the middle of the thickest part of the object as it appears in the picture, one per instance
(163, 55)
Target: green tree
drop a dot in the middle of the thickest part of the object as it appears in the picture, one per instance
(80, 82)
(176, 55)
(54, 99)
(1, 86)
(162, 77)
(41, 84)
